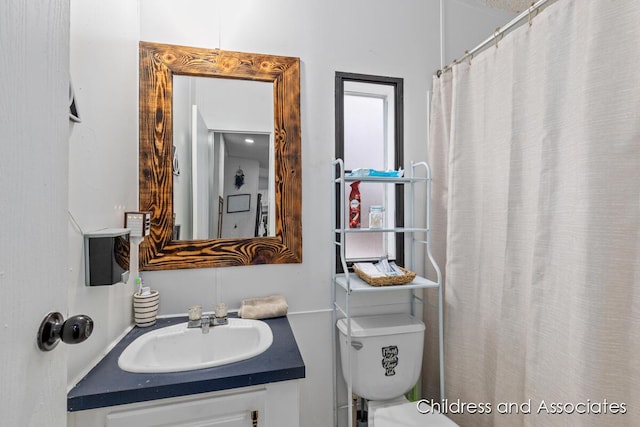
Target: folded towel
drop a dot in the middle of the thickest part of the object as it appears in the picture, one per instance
(263, 308)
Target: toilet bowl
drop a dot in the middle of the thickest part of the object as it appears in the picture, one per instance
(405, 414)
(386, 357)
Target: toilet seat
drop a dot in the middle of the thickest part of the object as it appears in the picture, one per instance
(406, 415)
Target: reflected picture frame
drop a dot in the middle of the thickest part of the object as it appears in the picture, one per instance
(238, 203)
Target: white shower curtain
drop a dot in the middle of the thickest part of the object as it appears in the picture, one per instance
(535, 147)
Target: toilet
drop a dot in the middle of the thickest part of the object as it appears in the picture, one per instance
(385, 364)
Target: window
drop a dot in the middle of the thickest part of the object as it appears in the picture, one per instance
(369, 134)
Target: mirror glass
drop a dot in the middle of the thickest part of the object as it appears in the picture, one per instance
(234, 202)
(223, 174)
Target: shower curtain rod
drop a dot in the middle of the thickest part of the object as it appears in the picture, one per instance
(528, 14)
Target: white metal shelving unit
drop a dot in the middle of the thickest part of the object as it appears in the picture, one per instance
(350, 283)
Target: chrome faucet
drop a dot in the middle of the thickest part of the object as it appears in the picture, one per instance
(205, 321)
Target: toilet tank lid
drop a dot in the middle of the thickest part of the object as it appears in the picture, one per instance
(379, 325)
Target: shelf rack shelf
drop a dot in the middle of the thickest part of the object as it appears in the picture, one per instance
(356, 284)
(384, 179)
(350, 283)
(382, 230)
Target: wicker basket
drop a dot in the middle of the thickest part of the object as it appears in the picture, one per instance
(407, 277)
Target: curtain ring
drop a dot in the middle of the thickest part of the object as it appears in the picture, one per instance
(531, 9)
(497, 36)
(468, 56)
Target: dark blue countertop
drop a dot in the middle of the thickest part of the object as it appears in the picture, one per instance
(108, 385)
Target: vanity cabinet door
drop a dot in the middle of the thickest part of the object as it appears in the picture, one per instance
(234, 410)
(272, 405)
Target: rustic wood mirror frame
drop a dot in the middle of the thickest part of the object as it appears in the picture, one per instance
(158, 64)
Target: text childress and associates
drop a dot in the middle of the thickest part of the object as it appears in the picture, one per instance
(587, 407)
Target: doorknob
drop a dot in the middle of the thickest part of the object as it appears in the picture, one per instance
(54, 328)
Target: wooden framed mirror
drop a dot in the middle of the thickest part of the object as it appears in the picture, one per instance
(159, 63)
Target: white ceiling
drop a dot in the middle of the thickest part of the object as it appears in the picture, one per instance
(510, 5)
(237, 147)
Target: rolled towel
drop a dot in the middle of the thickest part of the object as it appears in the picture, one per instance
(263, 308)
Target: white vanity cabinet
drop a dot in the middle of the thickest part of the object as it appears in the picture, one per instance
(269, 405)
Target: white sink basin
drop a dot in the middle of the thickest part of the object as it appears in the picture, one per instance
(177, 348)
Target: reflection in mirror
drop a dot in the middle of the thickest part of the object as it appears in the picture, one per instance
(223, 139)
(162, 162)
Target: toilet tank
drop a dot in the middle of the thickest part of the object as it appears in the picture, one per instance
(386, 354)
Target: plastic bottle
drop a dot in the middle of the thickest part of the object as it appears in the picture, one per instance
(354, 205)
(376, 216)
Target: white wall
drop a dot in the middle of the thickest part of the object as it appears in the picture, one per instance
(103, 157)
(360, 36)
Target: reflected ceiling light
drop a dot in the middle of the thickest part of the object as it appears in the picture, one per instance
(248, 140)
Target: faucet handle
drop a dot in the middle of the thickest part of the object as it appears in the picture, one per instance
(195, 312)
(220, 310)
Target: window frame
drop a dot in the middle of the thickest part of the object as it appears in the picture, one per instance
(398, 132)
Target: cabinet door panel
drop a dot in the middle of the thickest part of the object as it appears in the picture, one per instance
(224, 411)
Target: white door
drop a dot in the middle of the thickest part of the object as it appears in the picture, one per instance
(34, 131)
(201, 170)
